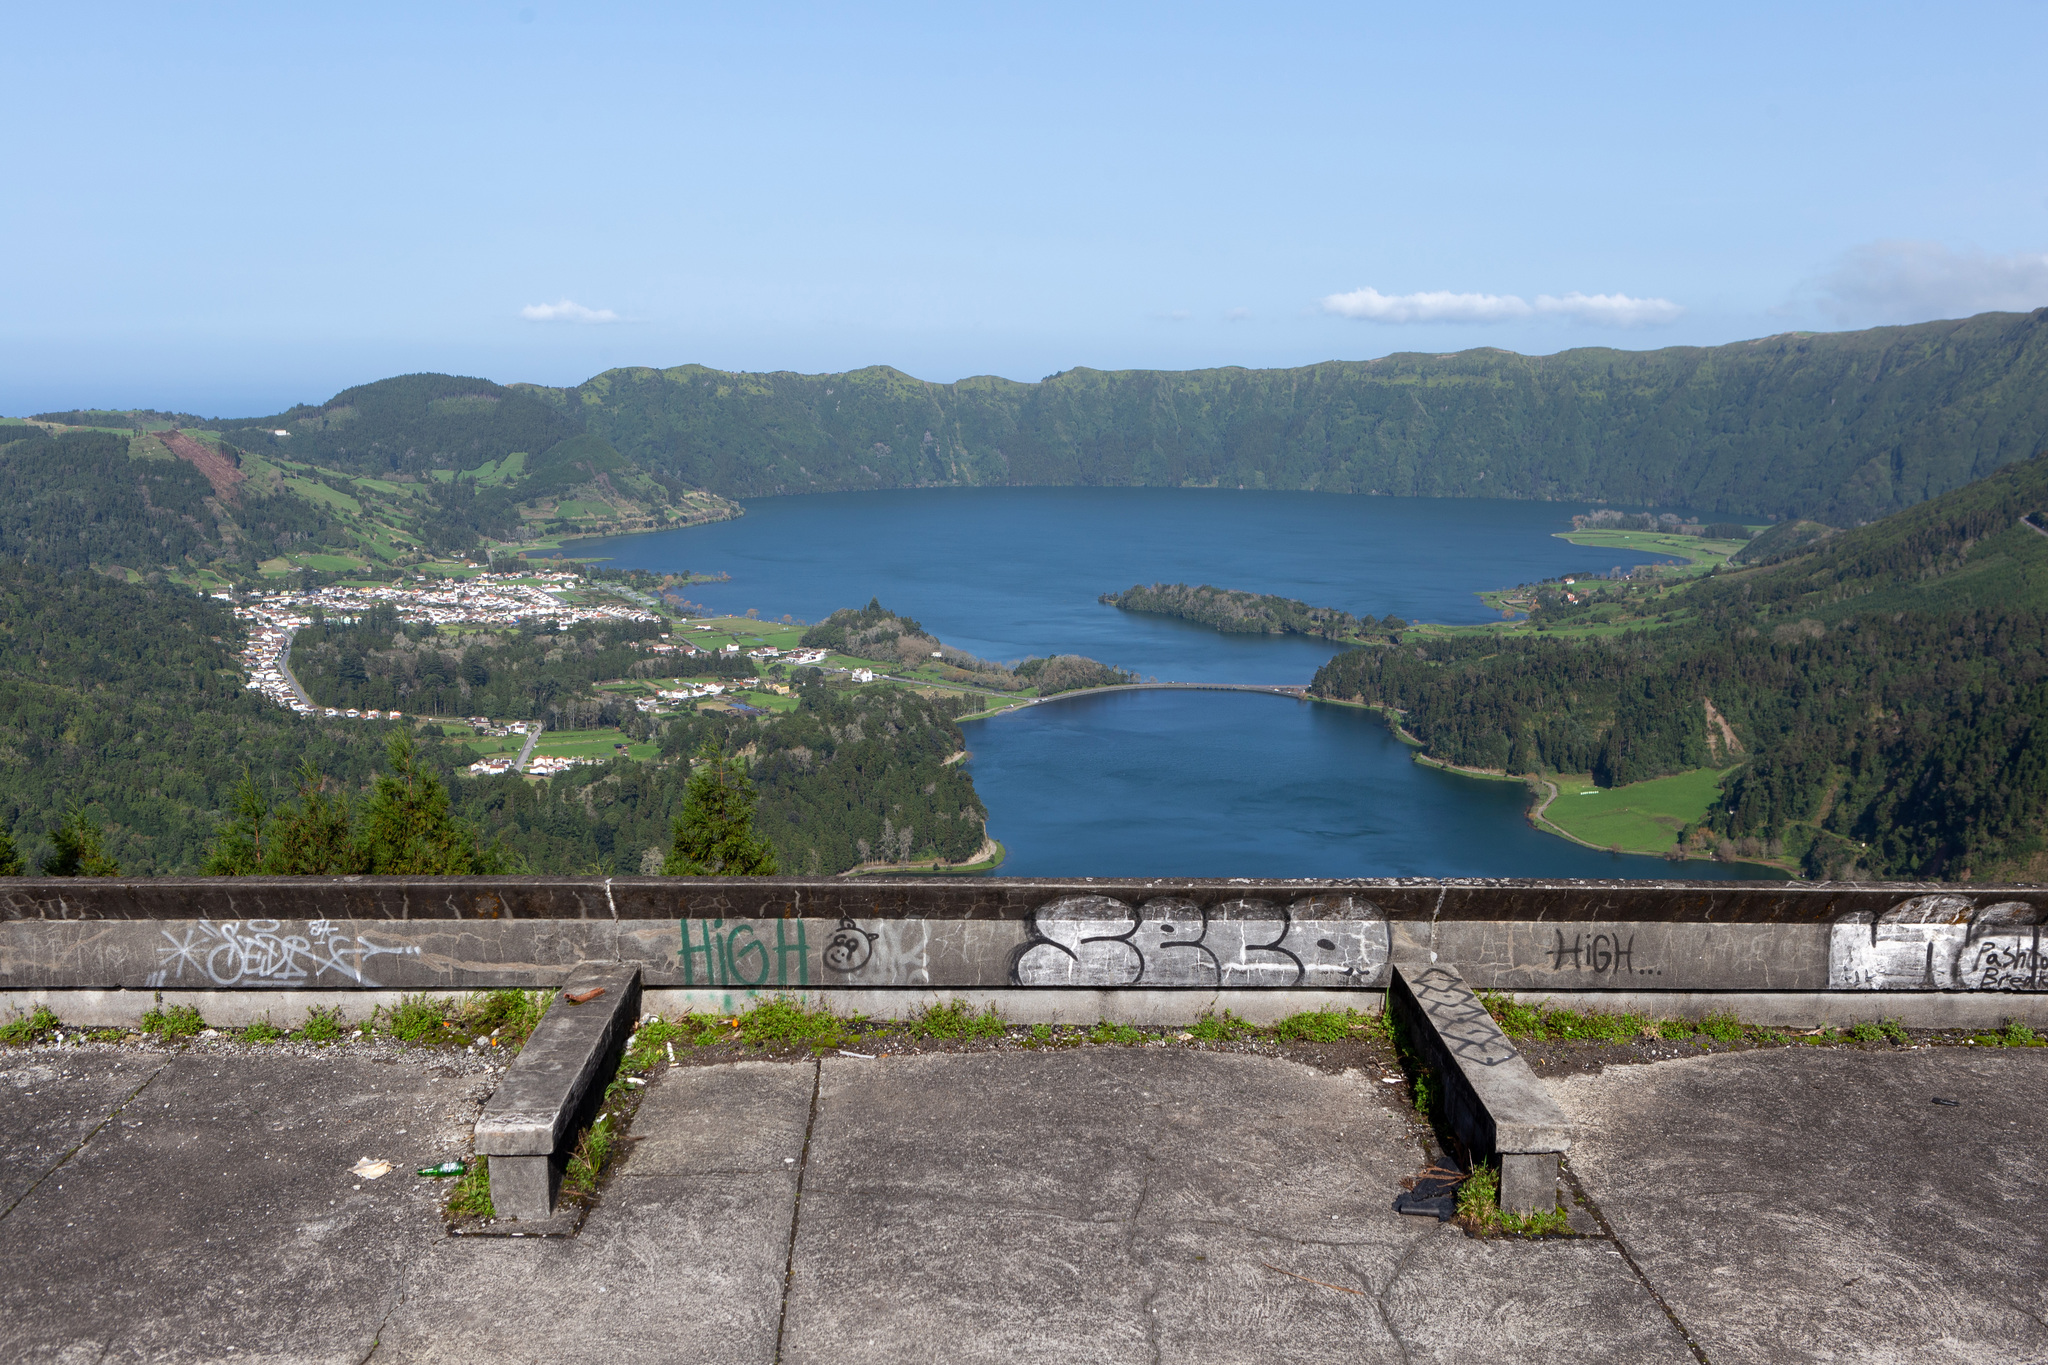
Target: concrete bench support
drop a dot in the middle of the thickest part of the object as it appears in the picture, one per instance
(1492, 1101)
(554, 1088)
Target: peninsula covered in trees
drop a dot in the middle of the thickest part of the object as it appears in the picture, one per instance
(1245, 613)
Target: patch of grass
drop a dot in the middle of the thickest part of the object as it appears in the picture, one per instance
(421, 1018)
(955, 1019)
(1479, 1209)
(471, 1197)
(2016, 1034)
(1545, 1022)
(105, 1035)
(1106, 1032)
(650, 1043)
(1722, 1028)
(323, 1025)
(785, 1021)
(586, 1164)
(1323, 1026)
(1882, 1031)
(178, 1021)
(1674, 1030)
(1516, 1019)
(33, 1027)
(262, 1031)
(1220, 1028)
(510, 1016)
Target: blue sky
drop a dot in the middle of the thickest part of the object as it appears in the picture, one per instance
(226, 209)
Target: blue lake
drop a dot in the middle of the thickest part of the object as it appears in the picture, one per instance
(1174, 783)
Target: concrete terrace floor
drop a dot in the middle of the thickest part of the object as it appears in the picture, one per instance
(1084, 1205)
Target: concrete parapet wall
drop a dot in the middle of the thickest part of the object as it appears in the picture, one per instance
(776, 935)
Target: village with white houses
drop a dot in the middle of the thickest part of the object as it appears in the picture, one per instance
(273, 618)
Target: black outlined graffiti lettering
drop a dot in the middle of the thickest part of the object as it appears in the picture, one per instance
(1325, 941)
(1939, 943)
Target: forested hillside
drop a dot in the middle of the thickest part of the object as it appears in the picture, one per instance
(1840, 427)
(128, 699)
(1887, 692)
(1235, 612)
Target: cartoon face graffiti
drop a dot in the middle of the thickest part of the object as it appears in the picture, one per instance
(849, 947)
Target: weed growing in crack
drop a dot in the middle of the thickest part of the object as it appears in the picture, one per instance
(956, 1019)
(1480, 1212)
(1425, 1092)
(33, 1027)
(471, 1197)
(586, 1164)
(323, 1025)
(176, 1021)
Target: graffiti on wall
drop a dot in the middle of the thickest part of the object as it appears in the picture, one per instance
(1938, 943)
(269, 952)
(896, 952)
(785, 952)
(1329, 941)
(740, 954)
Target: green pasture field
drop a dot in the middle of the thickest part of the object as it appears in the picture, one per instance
(322, 494)
(1694, 551)
(595, 744)
(1642, 817)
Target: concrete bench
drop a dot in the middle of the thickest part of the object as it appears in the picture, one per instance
(555, 1087)
(1492, 1101)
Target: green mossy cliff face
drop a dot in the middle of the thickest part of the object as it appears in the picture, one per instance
(1840, 427)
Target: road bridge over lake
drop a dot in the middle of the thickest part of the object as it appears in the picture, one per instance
(1298, 691)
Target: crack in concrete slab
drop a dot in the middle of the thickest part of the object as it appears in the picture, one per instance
(1145, 1309)
(1591, 1206)
(79, 1146)
(796, 1207)
(1379, 1301)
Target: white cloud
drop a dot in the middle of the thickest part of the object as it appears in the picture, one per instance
(567, 310)
(1899, 281)
(1607, 310)
(1370, 305)
(1237, 315)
